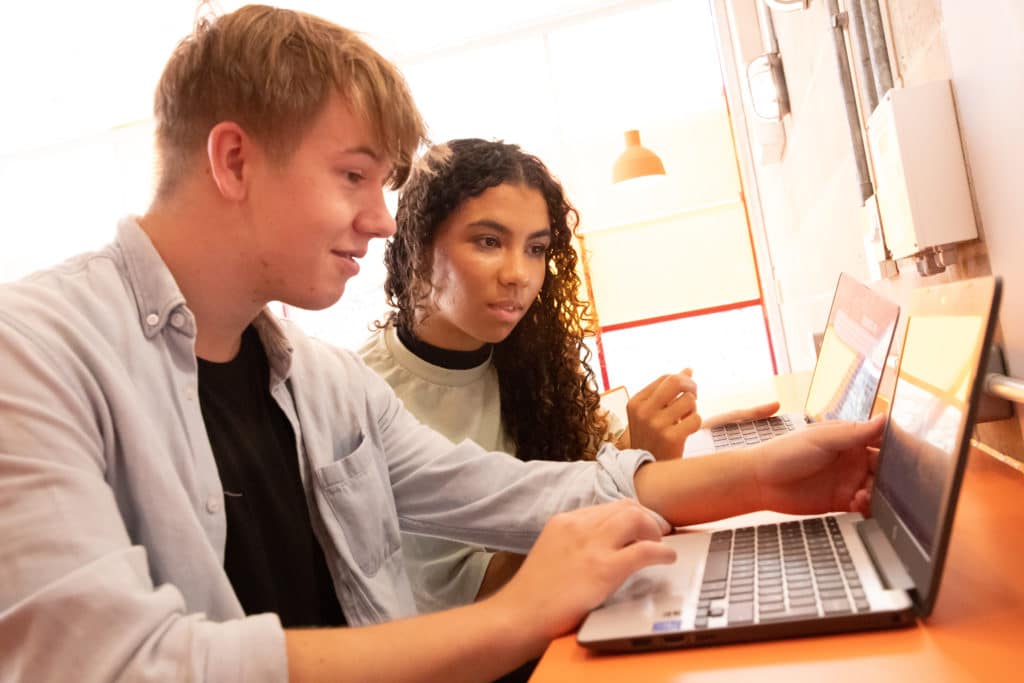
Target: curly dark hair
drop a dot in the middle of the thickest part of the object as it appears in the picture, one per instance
(549, 401)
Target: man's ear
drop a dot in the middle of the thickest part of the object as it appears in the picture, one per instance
(229, 150)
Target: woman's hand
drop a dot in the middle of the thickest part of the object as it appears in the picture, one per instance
(663, 414)
(742, 415)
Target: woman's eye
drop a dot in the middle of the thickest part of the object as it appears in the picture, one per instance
(354, 177)
(539, 249)
(489, 242)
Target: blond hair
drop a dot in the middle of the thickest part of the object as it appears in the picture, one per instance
(272, 71)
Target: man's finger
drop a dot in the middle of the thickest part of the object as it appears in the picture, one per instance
(842, 435)
(630, 524)
(639, 555)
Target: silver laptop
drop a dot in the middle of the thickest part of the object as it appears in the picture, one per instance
(840, 572)
(853, 352)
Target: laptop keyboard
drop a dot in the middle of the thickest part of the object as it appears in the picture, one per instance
(777, 572)
(739, 434)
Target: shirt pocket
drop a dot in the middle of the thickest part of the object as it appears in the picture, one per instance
(359, 494)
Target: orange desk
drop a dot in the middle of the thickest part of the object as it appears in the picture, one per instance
(976, 632)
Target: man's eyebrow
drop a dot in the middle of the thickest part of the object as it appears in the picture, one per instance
(500, 227)
(363, 149)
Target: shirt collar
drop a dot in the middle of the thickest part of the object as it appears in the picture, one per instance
(276, 345)
(156, 292)
(159, 301)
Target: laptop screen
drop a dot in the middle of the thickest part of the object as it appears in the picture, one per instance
(949, 329)
(853, 351)
(928, 409)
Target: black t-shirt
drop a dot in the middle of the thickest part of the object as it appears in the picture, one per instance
(272, 557)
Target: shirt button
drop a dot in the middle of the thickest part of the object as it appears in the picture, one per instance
(152, 319)
(178, 320)
(213, 505)
(189, 392)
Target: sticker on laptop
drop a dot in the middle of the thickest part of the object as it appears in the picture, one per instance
(667, 625)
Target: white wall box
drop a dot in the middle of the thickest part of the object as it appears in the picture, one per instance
(920, 178)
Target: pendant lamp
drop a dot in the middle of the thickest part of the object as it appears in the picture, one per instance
(636, 160)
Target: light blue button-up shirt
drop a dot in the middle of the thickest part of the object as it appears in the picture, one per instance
(112, 525)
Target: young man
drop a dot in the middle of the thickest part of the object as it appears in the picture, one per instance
(186, 481)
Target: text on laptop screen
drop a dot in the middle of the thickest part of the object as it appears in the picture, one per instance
(929, 401)
(849, 367)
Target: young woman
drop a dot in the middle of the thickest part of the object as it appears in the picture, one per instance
(485, 341)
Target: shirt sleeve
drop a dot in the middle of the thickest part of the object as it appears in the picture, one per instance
(489, 499)
(443, 574)
(77, 599)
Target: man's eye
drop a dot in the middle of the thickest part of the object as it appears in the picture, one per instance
(354, 177)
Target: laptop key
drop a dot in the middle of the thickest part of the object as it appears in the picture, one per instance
(836, 606)
(712, 594)
(717, 566)
(799, 613)
(741, 613)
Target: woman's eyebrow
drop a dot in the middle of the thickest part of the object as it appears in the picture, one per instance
(503, 229)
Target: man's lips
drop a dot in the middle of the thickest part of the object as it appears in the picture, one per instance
(349, 254)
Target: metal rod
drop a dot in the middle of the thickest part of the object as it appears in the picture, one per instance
(764, 18)
(861, 55)
(1001, 386)
(850, 101)
(876, 41)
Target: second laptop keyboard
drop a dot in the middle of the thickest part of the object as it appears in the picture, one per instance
(776, 572)
(739, 434)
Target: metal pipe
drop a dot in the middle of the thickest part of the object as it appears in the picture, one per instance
(768, 39)
(876, 43)
(1001, 386)
(861, 55)
(835, 19)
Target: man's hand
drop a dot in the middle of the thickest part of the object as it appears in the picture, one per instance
(663, 414)
(579, 559)
(826, 467)
(742, 415)
(819, 469)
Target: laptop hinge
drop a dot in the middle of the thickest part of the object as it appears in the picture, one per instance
(892, 572)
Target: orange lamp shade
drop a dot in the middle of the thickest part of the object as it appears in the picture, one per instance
(636, 160)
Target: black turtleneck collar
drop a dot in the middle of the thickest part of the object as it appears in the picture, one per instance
(445, 358)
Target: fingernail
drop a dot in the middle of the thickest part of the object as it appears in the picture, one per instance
(662, 523)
